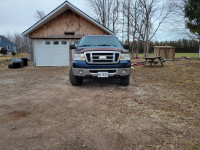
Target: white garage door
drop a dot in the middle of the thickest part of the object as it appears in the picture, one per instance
(51, 52)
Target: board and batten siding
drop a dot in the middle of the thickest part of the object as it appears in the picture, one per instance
(165, 52)
(67, 22)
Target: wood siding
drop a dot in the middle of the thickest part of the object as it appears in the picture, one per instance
(67, 22)
(165, 52)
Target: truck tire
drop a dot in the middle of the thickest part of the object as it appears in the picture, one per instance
(125, 81)
(74, 80)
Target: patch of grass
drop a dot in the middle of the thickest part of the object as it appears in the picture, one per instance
(191, 55)
(7, 58)
(4, 58)
(142, 55)
(193, 146)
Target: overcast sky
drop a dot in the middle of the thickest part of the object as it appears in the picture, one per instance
(18, 15)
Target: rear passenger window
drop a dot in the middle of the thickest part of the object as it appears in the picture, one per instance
(47, 43)
(64, 42)
(55, 42)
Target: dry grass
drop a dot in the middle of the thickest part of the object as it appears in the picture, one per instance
(177, 55)
(7, 58)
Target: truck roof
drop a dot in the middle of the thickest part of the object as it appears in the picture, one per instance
(99, 36)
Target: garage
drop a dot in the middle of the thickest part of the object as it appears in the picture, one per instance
(51, 52)
(51, 36)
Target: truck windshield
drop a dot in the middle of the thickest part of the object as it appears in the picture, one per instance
(100, 41)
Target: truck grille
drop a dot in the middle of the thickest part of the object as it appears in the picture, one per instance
(104, 57)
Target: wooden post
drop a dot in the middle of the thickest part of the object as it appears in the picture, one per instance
(70, 54)
(32, 53)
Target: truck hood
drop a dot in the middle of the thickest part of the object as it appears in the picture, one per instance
(87, 49)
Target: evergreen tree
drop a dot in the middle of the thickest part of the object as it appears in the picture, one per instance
(192, 15)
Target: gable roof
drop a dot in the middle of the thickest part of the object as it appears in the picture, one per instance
(59, 10)
(1, 36)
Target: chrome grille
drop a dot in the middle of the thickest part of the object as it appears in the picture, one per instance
(104, 57)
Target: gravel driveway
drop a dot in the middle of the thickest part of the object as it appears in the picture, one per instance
(39, 109)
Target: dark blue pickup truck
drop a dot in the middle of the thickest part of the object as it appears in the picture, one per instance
(100, 56)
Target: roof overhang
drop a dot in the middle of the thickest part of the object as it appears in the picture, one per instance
(59, 10)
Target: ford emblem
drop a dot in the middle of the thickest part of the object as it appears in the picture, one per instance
(102, 57)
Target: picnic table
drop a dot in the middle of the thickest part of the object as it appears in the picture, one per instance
(153, 60)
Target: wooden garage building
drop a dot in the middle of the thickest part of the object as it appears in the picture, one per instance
(51, 36)
(165, 52)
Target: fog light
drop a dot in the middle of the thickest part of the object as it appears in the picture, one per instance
(80, 72)
(124, 72)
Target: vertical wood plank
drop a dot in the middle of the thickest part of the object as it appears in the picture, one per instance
(67, 22)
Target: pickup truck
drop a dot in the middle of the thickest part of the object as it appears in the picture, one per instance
(100, 56)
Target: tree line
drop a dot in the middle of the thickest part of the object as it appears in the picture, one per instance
(182, 46)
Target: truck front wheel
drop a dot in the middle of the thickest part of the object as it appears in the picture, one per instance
(125, 80)
(74, 80)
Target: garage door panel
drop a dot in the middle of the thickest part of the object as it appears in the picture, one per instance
(51, 55)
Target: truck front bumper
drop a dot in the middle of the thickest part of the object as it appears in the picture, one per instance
(82, 69)
(112, 72)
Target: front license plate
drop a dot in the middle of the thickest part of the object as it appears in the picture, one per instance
(102, 74)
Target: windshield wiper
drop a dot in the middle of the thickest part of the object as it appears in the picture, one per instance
(107, 45)
(85, 45)
(104, 45)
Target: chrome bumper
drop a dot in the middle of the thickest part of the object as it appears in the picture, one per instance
(94, 72)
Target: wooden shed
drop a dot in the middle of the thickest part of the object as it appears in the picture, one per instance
(51, 36)
(165, 52)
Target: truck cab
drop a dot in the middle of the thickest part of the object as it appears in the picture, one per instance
(100, 56)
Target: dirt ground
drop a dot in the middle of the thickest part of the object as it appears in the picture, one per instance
(39, 109)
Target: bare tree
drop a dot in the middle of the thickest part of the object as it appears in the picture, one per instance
(115, 15)
(152, 17)
(22, 43)
(126, 10)
(136, 20)
(107, 12)
(39, 15)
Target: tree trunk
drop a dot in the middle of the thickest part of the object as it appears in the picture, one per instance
(137, 51)
(132, 49)
(133, 44)
(145, 52)
(138, 45)
(147, 48)
(128, 23)
(104, 20)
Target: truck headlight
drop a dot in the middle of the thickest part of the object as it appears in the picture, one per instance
(125, 57)
(79, 57)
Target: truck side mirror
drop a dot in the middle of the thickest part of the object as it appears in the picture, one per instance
(72, 46)
(126, 46)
